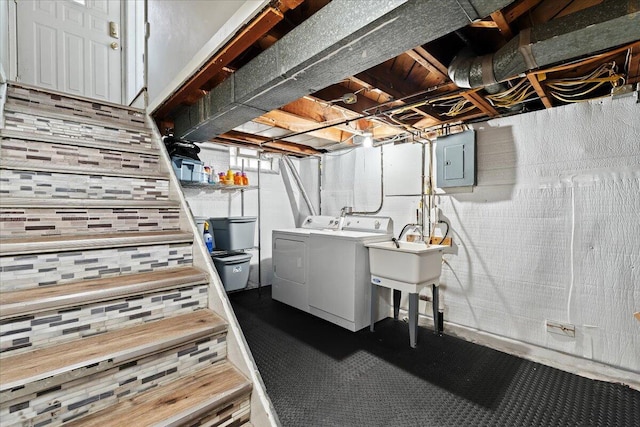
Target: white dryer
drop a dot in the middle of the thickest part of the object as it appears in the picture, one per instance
(291, 263)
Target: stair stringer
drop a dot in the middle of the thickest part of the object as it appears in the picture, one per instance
(238, 353)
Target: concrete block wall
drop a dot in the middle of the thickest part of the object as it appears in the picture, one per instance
(551, 231)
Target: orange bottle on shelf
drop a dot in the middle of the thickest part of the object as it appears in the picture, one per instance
(245, 179)
(237, 179)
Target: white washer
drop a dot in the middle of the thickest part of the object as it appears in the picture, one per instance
(339, 288)
(291, 261)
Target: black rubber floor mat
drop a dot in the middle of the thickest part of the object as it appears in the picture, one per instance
(318, 374)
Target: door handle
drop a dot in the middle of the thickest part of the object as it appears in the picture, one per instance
(114, 30)
(114, 46)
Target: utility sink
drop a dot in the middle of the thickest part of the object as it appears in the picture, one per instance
(411, 263)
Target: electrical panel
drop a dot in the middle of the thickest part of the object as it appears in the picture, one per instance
(456, 160)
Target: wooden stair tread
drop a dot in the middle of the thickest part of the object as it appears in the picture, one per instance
(19, 303)
(175, 403)
(31, 136)
(80, 170)
(49, 113)
(110, 348)
(34, 202)
(45, 244)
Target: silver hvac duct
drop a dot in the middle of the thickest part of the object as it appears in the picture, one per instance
(610, 24)
(298, 181)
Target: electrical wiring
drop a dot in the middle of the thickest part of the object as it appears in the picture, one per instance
(579, 89)
(516, 94)
(446, 233)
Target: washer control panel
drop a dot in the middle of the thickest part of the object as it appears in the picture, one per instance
(321, 222)
(373, 224)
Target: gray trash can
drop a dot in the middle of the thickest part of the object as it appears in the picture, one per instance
(233, 269)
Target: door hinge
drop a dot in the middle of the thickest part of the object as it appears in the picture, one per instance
(147, 30)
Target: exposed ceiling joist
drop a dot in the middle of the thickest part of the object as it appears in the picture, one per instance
(535, 82)
(410, 92)
(364, 33)
(480, 102)
(502, 24)
(519, 8)
(258, 141)
(295, 123)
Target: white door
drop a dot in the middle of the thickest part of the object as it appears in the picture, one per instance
(66, 45)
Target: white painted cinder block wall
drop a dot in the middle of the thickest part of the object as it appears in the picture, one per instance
(551, 231)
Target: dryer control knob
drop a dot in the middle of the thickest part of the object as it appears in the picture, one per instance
(377, 224)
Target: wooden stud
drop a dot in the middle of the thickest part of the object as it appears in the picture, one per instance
(533, 79)
(484, 24)
(284, 120)
(502, 24)
(263, 141)
(415, 54)
(432, 60)
(480, 102)
(547, 10)
(285, 5)
(519, 8)
(576, 6)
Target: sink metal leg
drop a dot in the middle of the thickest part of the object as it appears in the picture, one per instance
(413, 319)
(374, 305)
(436, 313)
(397, 294)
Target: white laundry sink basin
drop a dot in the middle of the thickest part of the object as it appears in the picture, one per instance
(413, 263)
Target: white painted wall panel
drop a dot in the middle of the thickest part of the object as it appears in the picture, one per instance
(552, 231)
(184, 34)
(563, 243)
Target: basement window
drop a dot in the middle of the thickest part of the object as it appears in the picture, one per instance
(248, 160)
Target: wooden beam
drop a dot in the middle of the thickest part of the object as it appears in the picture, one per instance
(336, 91)
(533, 79)
(484, 24)
(576, 6)
(432, 60)
(285, 5)
(502, 24)
(416, 55)
(383, 79)
(284, 120)
(249, 35)
(480, 102)
(519, 8)
(263, 141)
(547, 10)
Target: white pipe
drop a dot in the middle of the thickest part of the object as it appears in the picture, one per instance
(298, 181)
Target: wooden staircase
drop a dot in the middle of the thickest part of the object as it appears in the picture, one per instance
(104, 318)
